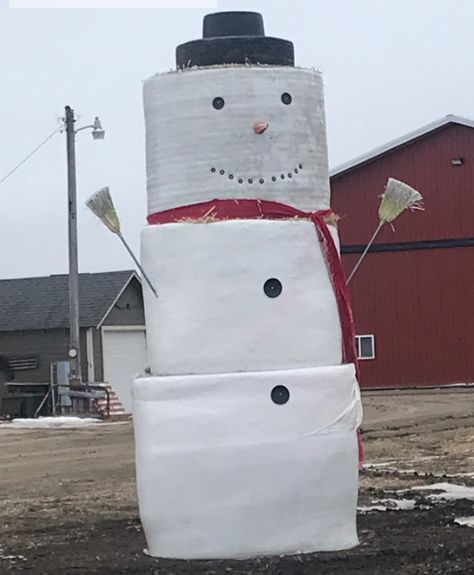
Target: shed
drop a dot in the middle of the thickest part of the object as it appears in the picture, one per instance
(34, 328)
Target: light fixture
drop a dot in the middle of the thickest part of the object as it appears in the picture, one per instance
(457, 161)
(98, 133)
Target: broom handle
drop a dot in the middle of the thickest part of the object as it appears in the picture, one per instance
(364, 253)
(137, 263)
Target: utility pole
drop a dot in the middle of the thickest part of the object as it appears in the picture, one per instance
(98, 133)
(74, 333)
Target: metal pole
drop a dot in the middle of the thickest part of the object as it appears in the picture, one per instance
(51, 383)
(138, 264)
(74, 342)
(364, 253)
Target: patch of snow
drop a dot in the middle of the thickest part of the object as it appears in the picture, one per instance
(465, 521)
(386, 504)
(52, 422)
(398, 504)
(450, 491)
(368, 508)
(11, 557)
(470, 475)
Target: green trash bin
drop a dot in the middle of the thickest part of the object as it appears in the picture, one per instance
(30, 403)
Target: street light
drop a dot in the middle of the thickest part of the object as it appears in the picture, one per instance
(98, 133)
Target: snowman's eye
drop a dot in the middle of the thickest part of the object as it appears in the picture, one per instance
(286, 98)
(218, 103)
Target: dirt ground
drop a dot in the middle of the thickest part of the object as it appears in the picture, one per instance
(68, 502)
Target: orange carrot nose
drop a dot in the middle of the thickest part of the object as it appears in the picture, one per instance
(260, 127)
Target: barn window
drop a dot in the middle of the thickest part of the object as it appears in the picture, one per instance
(365, 346)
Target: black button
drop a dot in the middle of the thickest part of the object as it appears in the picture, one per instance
(218, 103)
(272, 287)
(280, 395)
(286, 98)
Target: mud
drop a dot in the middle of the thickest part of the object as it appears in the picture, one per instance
(68, 502)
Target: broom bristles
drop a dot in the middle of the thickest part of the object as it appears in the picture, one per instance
(102, 206)
(397, 197)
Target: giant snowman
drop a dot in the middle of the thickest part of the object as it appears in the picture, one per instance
(246, 419)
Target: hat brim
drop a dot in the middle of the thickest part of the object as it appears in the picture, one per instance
(262, 50)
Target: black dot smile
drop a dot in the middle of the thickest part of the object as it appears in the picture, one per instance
(241, 179)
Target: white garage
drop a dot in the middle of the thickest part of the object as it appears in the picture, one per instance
(124, 355)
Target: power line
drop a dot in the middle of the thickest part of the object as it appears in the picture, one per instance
(30, 154)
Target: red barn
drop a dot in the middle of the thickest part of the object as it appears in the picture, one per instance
(413, 296)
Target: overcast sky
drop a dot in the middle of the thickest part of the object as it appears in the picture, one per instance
(389, 66)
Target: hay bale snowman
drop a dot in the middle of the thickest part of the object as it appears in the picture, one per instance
(246, 421)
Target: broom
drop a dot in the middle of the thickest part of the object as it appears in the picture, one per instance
(397, 197)
(102, 206)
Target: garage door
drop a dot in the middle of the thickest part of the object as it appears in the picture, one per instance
(124, 353)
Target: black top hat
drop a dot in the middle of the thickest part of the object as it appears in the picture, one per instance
(235, 38)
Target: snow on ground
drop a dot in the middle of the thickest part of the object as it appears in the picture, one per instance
(368, 508)
(450, 491)
(466, 521)
(12, 558)
(386, 504)
(469, 475)
(446, 492)
(52, 422)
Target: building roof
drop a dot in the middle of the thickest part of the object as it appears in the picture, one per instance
(399, 142)
(43, 302)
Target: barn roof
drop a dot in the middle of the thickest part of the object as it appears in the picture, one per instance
(43, 302)
(399, 142)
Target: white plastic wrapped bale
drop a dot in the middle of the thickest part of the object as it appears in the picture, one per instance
(212, 314)
(201, 143)
(245, 464)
